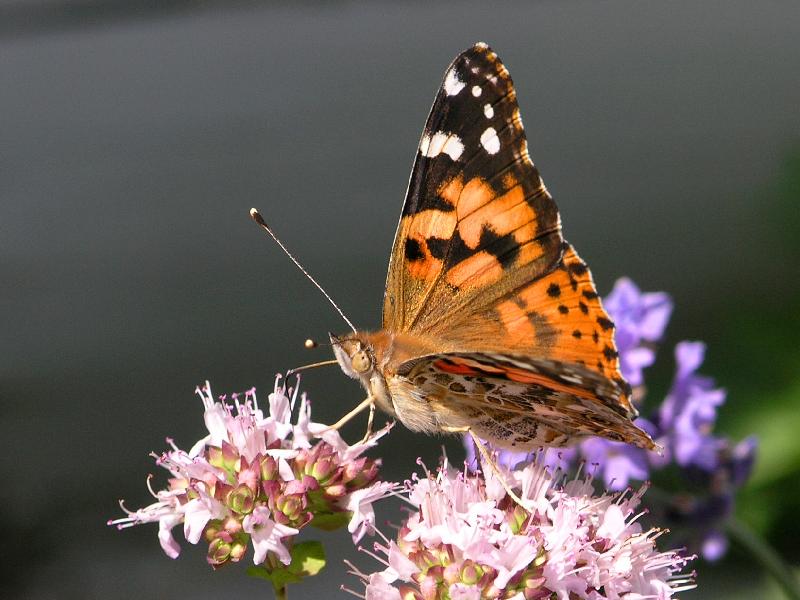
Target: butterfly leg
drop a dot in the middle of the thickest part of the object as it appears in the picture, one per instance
(370, 419)
(367, 402)
(487, 458)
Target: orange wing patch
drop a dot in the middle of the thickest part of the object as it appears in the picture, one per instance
(557, 317)
(480, 218)
(578, 329)
(421, 232)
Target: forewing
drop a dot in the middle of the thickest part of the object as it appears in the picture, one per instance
(558, 316)
(477, 220)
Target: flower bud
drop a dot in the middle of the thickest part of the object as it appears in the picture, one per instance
(532, 588)
(239, 547)
(517, 518)
(218, 552)
(452, 574)
(212, 529)
(268, 468)
(366, 476)
(336, 491)
(470, 573)
(225, 457)
(352, 469)
(230, 527)
(429, 586)
(322, 469)
(241, 499)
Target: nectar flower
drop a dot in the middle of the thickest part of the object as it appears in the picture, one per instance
(258, 479)
(689, 411)
(466, 538)
(640, 320)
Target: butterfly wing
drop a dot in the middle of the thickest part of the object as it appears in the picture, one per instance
(479, 264)
(517, 402)
(477, 219)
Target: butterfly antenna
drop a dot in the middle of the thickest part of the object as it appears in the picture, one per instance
(256, 216)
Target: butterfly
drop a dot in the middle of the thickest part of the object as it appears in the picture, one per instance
(491, 321)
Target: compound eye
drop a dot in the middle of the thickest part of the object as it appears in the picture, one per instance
(361, 362)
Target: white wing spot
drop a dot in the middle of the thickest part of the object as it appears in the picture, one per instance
(452, 84)
(488, 111)
(490, 141)
(476, 90)
(441, 143)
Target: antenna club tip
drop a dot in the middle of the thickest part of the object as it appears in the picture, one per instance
(256, 216)
(310, 344)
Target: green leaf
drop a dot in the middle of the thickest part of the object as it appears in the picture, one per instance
(308, 558)
(331, 521)
(279, 576)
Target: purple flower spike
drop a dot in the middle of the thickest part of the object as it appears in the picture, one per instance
(742, 459)
(640, 318)
(714, 546)
(618, 462)
(690, 410)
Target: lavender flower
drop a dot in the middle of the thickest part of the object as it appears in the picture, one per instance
(683, 426)
(259, 480)
(687, 415)
(640, 321)
(466, 539)
(697, 519)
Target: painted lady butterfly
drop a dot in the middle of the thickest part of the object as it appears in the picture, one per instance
(491, 321)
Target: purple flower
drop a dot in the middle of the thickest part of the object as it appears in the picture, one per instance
(687, 415)
(740, 460)
(717, 470)
(640, 321)
(618, 462)
(505, 458)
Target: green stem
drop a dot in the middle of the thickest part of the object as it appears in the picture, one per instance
(282, 592)
(766, 555)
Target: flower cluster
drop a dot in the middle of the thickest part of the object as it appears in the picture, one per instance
(466, 539)
(256, 479)
(682, 425)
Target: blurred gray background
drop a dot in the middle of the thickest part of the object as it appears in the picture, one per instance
(135, 136)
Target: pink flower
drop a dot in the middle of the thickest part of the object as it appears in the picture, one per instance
(259, 479)
(465, 539)
(360, 505)
(266, 535)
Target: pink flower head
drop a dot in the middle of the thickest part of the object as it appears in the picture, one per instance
(464, 539)
(259, 479)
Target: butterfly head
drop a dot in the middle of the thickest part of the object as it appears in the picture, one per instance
(355, 356)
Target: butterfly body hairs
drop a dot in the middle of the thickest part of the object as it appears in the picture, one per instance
(491, 322)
